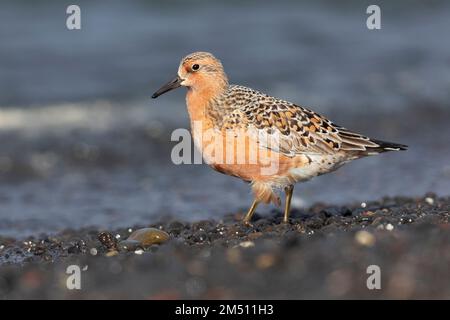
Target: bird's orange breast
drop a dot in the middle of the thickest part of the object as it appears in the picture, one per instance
(237, 153)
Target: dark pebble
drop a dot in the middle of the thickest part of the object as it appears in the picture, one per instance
(129, 245)
(200, 236)
(107, 240)
(39, 250)
(73, 249)
(176, 227)
(203, 225)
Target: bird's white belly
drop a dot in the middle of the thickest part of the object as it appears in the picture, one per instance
(320, 164)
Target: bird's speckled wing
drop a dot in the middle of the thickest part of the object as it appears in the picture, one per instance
(288, 128)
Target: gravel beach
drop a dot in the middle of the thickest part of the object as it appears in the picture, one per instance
(323, 252)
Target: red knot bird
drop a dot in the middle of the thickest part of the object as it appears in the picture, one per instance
(297, 141)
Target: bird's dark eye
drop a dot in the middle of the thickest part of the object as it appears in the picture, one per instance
(195, 67)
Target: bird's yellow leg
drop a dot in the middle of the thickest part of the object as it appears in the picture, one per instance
(250, 212)
(287, 207)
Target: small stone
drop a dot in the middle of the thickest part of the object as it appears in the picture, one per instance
(39, 250)
(108, 240)
(406, 220)
(73, 249)
(429, 200)
(203, 225)
(365, 238)
(112, 253)
(93, 251)
(176, 227)
(200, 237)
(389, 227)
(247, 244)
(129, 245)
(346, 212)
(149, 236)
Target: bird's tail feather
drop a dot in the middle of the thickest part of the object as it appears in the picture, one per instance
(384, 146)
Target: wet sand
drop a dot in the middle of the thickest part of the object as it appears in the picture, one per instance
(322, 253)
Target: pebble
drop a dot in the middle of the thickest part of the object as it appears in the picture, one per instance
(176, 227)
(129, 245)
(203, 225)
(247, 244)
(73, 249)
(149, 236)
(365, 238)
(368, 213)
(93, 251)
(108, 240)
(405, 220)
(112, 253)
(200, 236)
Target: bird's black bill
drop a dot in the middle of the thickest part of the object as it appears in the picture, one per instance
(175, 83)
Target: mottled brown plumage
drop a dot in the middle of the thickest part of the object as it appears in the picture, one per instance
(297, 129)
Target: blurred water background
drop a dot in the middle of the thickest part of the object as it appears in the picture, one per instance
(82, 143)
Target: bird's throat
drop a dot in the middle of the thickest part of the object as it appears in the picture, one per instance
(201, 102)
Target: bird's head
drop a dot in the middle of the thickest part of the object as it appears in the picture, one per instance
(197, 71)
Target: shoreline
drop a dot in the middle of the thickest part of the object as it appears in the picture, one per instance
(324, 250)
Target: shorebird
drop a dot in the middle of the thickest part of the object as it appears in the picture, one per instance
(303, 143)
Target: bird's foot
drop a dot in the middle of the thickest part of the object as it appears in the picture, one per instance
(247, 223)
